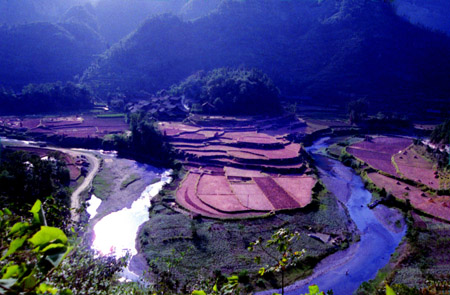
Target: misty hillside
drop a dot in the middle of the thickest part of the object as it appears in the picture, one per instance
(45, 52)
(114, 19)
(27, 11)
(432, 14)
(342, 49)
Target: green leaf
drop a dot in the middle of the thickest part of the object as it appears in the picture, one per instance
(215, 289)
(8, 283)
(8, 212)
(261, 271)
(15, 244)
(56, 259)
(45, 289)
(198, 292)
(19, 226)
(29, 282)
(36, 207)
(47, 235)
(313, 289)
(389, 290)
(233, 279)
(36, 210)
(11, 271)
(60, 246)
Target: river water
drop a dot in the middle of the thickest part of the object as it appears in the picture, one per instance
(381, 231)
(116, 232)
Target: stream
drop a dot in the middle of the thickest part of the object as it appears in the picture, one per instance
(381, 231)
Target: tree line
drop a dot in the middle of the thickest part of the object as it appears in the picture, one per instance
(45, 98)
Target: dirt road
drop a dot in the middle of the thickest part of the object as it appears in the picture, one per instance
(93, 169)
(87, 182)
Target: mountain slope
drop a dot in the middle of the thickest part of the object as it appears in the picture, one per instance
(432, 14)
(330, 51)
(44, 52)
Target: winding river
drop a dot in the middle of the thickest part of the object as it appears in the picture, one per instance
(381, 231)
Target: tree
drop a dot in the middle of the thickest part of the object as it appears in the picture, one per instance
(230, 92)
(441, 133)
(357, 110)
(280, 252)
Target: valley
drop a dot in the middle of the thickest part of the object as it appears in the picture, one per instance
(224, 147)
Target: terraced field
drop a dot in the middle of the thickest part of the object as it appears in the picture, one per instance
(378, 152)
(409, 173)
(239, 171)
(438, 206)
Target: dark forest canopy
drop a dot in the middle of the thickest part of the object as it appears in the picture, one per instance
(230, 92)
(25, 178)
(332, 51)
(45, 98)
(441, 134)
(44, 52)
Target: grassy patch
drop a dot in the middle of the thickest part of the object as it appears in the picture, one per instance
(102, 184)
(106, 116)
(222, 244)
(130, 179)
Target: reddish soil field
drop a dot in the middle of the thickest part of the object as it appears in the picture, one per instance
(246, 155)
(386, 145)
(231, 171)
(85, 126)
(213, 185)
(438, 206)
(414, 166)
(251, 196)
(187, 198)
(378, 152)
(192, 136)
(234, 196)
(379, 161)
(276, 195)
(298, 187)
(224, 203)
(175, 128)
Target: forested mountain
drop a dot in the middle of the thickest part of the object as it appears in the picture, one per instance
(45, 52)
(332, 50)
(118, 18)
(113, 19)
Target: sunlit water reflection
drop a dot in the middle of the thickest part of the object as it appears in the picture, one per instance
(116, 233)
